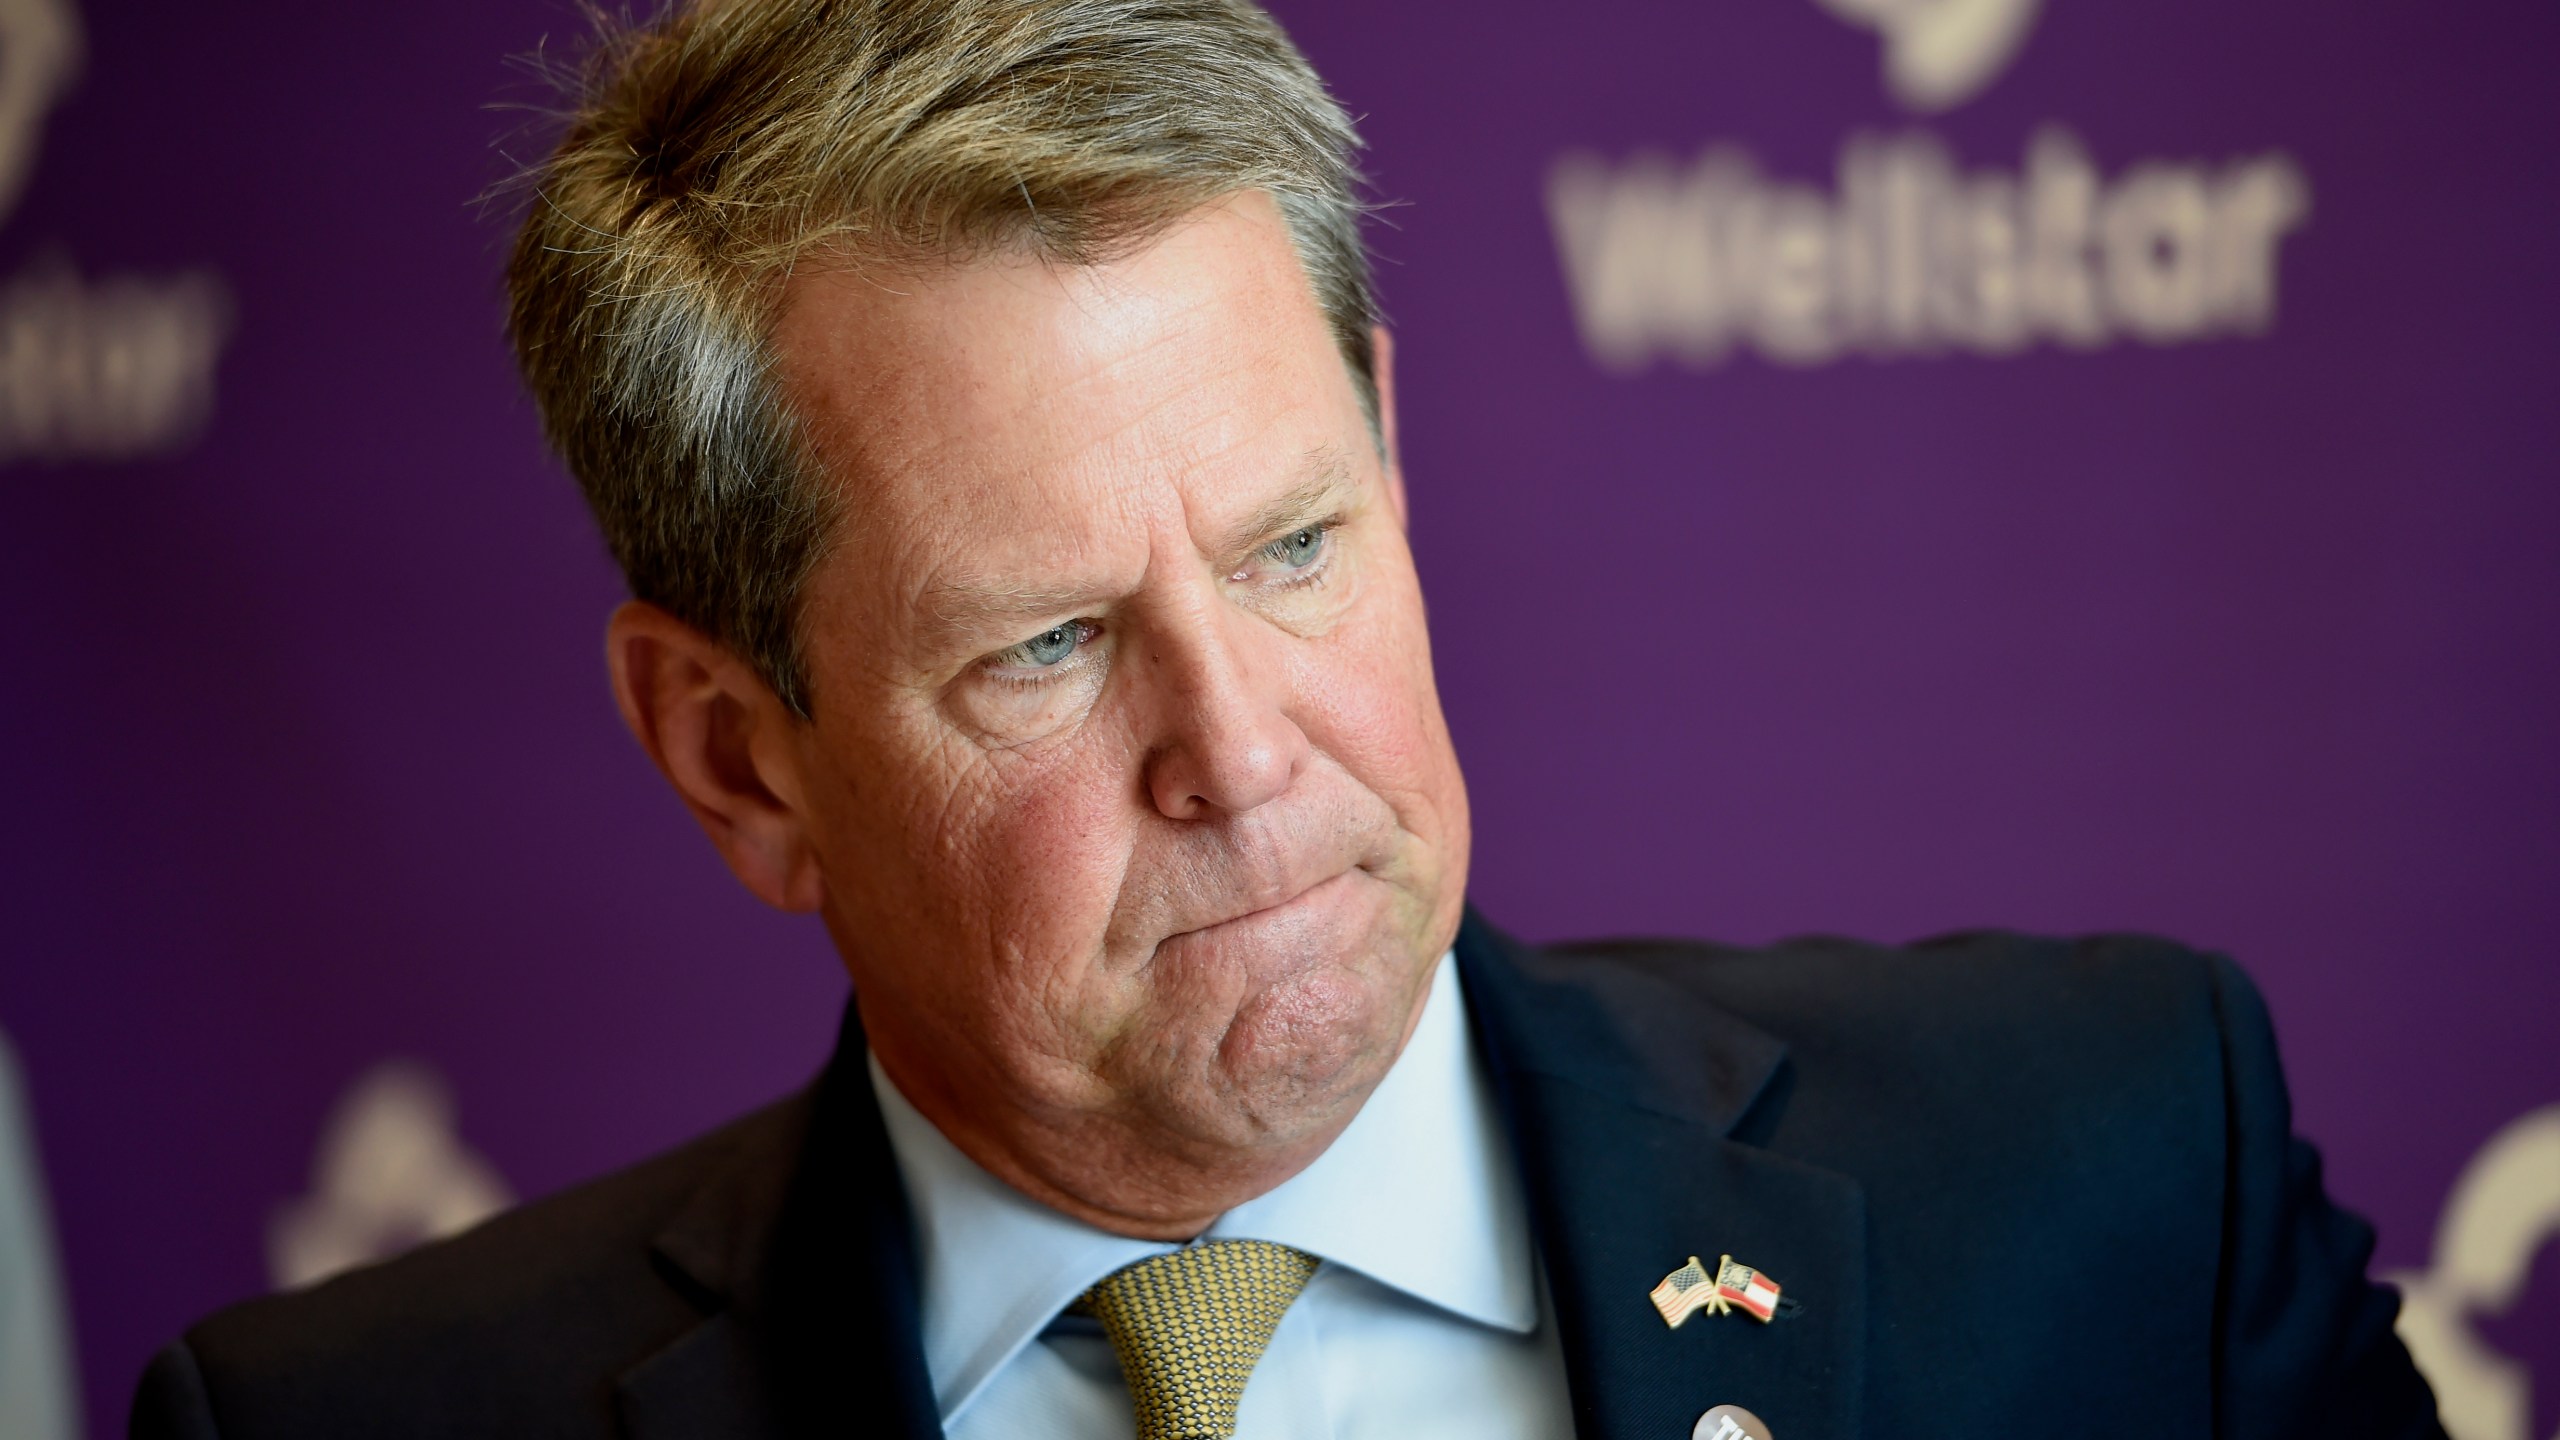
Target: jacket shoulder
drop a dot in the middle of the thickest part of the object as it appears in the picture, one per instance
(520, 1325)
(1990, 993)
(2104, 1050)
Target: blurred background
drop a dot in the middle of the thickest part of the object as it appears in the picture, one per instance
(1879, 466)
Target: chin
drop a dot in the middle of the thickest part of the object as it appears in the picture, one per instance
(1289, 1016)
(1301, 1054)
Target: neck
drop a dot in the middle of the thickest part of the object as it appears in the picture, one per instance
(1126, 1170)
(1131, 1179)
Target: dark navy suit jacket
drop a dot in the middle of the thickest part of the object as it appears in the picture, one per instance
(2012, 1188)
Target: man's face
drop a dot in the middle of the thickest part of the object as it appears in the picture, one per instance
(1138, 820)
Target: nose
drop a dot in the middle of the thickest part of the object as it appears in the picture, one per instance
(1227, 744)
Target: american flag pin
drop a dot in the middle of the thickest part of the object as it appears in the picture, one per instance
(1686, 1291)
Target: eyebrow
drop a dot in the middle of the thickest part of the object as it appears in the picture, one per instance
(1306, 501)
(973, 611)
(966, 609)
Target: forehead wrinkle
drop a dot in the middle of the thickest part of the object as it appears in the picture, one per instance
(1136, 322)
(1153, 435)
(1181, 438)
(1053, 396)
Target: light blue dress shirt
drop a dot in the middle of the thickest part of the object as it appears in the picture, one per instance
(1426, 1318)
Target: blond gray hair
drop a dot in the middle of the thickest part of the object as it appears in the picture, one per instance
(710, 151)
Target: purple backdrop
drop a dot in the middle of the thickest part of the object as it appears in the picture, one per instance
(2237, 624)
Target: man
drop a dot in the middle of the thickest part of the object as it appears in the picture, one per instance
(987, 406)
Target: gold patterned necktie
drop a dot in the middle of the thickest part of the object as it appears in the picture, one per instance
(1190, 1326)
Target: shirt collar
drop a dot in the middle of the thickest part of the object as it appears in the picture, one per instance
(1418, 1193)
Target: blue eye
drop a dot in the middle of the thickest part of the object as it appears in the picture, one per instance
(1049, 647)
(1299, 548)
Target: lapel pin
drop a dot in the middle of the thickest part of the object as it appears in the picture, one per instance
(1729, 1422)
(1741, 1285)
(1686, 1291)
(1683, 1293)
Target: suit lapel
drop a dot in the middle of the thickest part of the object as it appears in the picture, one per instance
(1623, 1091)
(711, 1382)
(805, 1263)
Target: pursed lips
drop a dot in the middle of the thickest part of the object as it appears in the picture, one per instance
(1273, 908)
(1266, 871)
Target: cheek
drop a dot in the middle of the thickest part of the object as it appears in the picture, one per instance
(1372, 705)
(1023, 856)
(982, 888)
(1053, 844)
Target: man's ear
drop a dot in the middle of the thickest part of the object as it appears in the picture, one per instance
(722, 737)
(1382, 351)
